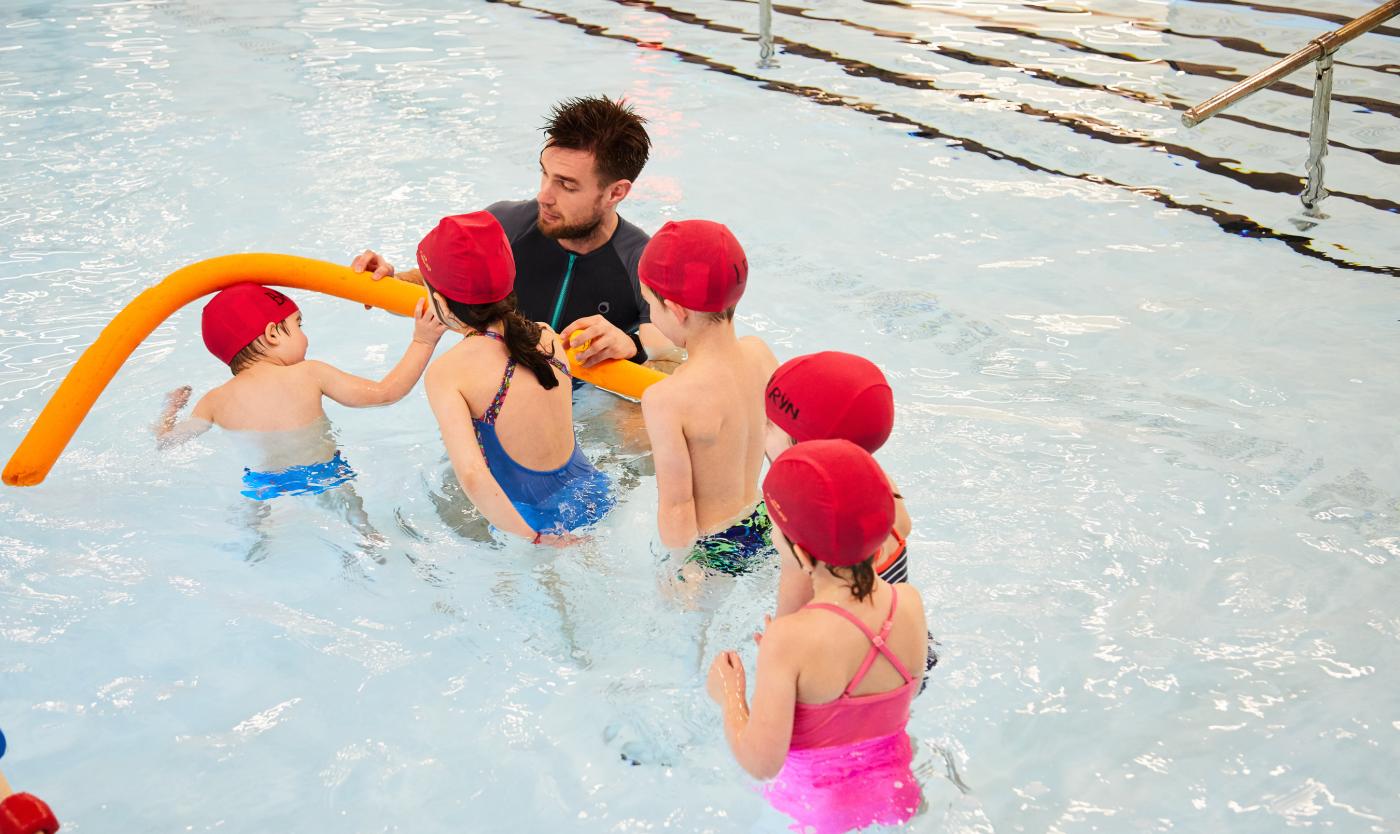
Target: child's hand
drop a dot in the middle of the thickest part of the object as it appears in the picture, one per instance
(560, 539)
(174, 401)
(758, 635)
(726, 677)
(426, 326)
(177, 399)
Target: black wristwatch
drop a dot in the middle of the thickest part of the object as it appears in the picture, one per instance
(641, 355)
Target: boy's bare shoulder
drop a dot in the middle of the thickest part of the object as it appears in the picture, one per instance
(312, 368)
(758, 353)
(207, 407)
(663, 392)
(758, 349)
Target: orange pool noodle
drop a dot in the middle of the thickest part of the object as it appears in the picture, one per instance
(75, 396)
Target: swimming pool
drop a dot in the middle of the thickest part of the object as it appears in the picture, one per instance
(1145, 423)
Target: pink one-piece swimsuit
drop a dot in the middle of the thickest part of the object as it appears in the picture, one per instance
(848, 765)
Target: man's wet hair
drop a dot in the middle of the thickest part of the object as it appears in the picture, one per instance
(610, 130)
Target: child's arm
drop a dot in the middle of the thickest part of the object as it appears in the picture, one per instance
(675, 512)
(758, 737)
(358, 392)
(171, 433)
(455, 423)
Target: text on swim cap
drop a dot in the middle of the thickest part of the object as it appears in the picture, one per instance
(783, 404)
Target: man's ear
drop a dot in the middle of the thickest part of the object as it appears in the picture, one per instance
(617, 192)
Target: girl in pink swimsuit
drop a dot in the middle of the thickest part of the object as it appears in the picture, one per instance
(833, 689)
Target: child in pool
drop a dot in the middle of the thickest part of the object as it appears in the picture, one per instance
(831, 700)
(836, 396)
(256, 331)
(516, 457)
(706, 421)
(828, 396)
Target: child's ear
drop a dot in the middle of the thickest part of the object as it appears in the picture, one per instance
(271, 333)
(677, 310)
(440, 308)
(804, 558)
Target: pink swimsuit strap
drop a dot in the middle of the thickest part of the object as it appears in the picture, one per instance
(877, 641)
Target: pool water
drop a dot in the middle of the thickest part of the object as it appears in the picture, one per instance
(1145, 413)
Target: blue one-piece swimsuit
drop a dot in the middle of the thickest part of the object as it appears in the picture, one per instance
(572, 496)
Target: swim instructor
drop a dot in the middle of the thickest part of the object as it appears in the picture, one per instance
(575, 258)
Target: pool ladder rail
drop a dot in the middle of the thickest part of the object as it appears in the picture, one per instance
(1319, 52)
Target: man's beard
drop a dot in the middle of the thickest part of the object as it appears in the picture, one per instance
(574, 231)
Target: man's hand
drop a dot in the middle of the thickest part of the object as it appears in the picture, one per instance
(371, 261)
(605, 340)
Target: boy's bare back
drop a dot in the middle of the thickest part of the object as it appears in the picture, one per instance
(277, 389)
(713, 405)
(265, 398)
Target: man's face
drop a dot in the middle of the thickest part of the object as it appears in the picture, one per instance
(573, 200)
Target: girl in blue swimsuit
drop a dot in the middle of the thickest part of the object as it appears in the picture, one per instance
(503, 402)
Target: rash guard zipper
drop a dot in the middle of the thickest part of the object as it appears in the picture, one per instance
(563, 293)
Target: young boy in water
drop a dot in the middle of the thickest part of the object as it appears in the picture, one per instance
(706, 421)
(256, 331)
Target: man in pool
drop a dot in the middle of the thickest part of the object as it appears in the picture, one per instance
(575, 257)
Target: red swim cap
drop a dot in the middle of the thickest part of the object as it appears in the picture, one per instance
(25, 813)
(697, 264)
(467, 258)
(236, 317)
(829, 395)
(832, 498)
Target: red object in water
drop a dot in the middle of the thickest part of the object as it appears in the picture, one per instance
(25, 813)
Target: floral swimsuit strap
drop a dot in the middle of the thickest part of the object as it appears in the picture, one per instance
(494, 410)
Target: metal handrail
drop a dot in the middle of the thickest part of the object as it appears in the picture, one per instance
(1318, 47)
(1318, 50)
(765, 35)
